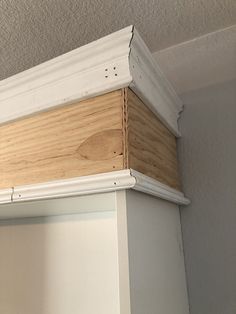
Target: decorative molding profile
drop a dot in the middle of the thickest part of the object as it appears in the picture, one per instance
(153, 187)
(115, 61)
(151, 86)
(93, 184)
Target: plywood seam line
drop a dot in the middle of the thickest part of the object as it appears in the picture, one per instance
(125, 128)
(109, 132)
(151, 146)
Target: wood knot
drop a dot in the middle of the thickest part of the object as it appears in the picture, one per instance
(103, 145)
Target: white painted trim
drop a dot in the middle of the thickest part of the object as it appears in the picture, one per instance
(123, 252)
(93, 184)
(115, 61)
(151, 86)
(153, 187)
(6, 196)
(73, 76)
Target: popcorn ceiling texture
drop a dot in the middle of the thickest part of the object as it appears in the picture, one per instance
(33, 31)
(204, 61)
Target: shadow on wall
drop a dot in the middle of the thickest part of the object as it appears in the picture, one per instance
(207, 152)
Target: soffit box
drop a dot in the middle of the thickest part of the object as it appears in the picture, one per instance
(102, 108)
(111, 132)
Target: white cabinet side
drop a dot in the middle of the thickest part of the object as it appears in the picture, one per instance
(123, 255)
(156, 261)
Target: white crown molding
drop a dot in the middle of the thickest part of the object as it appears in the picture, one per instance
(115, 61)
(151, 86)
(93, 184)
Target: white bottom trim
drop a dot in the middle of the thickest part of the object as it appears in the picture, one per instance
(93, 184)
(5, 196)
(153, 187)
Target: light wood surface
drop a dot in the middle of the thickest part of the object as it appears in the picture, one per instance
(106, 133)
(75, 140)
(151, 146)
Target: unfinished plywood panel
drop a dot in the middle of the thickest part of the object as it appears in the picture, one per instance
(151, 147)
(75, 140)
(106, 133)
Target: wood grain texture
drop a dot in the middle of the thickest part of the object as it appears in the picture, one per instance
(151, 147)
(106, 133)
(75, 140)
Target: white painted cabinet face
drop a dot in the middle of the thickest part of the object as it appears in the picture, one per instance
(118, 252)
(60, 264)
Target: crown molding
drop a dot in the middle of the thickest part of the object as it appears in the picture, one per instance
(118, 60)
(151, 86)
(91, 185)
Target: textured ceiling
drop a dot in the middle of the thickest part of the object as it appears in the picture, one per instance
(33, 31)
(204, 61)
